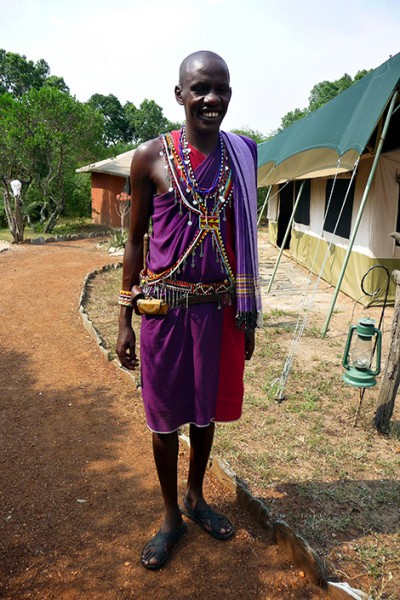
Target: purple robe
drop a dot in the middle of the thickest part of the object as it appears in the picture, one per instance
(181, 351)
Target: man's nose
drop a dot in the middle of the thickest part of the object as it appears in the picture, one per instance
(211, 97)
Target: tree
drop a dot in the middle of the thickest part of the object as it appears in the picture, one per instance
(117, 127)
(258, 137)
(13, 206)
(326, 90)
(320, 94)
(255, 135)
(148, 121)
(46, 134)
(57, 82)
(292, 116)
(18, 74)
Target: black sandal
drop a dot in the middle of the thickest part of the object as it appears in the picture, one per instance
(217, 521)
(162, 544)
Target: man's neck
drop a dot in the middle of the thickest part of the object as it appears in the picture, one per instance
(203, 142)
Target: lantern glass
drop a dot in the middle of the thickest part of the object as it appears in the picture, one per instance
(361, 353)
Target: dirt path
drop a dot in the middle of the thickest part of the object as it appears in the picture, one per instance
(78, 493)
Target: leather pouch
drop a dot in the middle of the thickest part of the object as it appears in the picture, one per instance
(152, 306)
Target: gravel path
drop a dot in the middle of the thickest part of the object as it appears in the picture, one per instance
(78, 493)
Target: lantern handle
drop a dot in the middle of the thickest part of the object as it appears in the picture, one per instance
(378, 346)
(345, 360)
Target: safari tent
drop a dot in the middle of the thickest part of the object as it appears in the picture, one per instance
(347, 153)
(109, 178)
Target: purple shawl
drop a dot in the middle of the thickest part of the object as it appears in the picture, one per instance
(243, 156)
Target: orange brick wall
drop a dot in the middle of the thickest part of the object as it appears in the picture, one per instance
(104, 191)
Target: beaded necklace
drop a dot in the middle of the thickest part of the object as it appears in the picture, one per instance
(204, 204)
(184, 151)
(187, 191)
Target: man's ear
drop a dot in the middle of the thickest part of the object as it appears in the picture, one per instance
(178, 94)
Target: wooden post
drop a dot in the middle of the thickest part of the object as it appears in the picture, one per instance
(391, 378)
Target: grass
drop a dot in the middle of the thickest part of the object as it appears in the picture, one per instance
(65, 226)
(336, 483)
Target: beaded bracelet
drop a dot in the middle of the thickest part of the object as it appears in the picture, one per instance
(125, 298)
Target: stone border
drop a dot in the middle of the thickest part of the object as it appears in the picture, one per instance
(70, 237)
(65, 238)
(294, 546)
(4, 246)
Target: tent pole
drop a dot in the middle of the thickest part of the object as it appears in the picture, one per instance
(286, 237)
(264, 205)
(360, 212)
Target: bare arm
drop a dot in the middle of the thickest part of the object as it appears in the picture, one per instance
(250, 344)
(143, 185)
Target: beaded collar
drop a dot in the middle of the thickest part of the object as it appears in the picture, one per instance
(199, 200)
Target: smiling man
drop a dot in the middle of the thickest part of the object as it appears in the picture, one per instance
(200, 286)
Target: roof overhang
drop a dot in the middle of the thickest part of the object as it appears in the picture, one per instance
(118, 165)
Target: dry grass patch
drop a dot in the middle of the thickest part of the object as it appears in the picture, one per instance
(336, 483)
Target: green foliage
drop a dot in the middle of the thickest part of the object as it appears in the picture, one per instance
(46, 134)
(118, 239)
(148, 120)
(261, 195)
(3, 218)
(320, 94)
(253, 134)
(326, 90)
(71, 227)
(258, 137)
(58, 83)
(78, 193)
(117, 127)
(127, 126)
(18, 75)
(293, 116)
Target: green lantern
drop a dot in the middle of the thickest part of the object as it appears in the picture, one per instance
(359, 352)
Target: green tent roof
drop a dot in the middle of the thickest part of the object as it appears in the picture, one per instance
(341, 128)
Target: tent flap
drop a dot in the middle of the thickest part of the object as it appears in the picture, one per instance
(339, 129)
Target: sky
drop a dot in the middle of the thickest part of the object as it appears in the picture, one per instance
(276, 50)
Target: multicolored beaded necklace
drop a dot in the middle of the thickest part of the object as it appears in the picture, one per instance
(204, 204)
(183, 182)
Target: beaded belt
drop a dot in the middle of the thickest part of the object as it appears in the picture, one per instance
(182, 293)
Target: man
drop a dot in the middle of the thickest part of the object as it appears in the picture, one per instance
(198, 186)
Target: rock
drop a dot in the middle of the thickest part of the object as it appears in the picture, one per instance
(342, 591)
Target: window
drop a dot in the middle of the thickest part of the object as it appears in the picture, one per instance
(302, 214)
(338, 220)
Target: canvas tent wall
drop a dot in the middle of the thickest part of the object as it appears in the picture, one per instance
(327, 143)
(109, 178)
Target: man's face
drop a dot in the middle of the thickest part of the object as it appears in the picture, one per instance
(205, 94)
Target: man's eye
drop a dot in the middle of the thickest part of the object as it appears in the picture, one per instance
(200, 89)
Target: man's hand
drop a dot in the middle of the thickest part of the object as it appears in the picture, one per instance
(126, 347)
(249, 344)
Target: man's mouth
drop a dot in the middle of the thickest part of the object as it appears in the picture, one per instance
(211, 114)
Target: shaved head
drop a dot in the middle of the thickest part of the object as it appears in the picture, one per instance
(198, 59)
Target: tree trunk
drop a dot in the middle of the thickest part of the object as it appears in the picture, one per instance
(14, 215)
(391, 378)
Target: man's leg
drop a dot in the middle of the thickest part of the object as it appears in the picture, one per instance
(156, 551)
(201, 440)
(165, 448)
